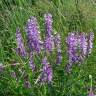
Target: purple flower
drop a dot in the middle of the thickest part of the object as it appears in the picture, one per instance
(83, 44)
(31, 63)
(44, 61)
(59, 56)
(57, 40)
(90, 42)
(79, 46)
(72, 47)
(13, 74)
(26, 82)
(20, 46)
(49, 44)
(91, 92)
(48, 24)
(69, 67)
(46, 72)
(33, 35)
(73, 41)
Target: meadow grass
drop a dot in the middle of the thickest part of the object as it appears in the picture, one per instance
(68, 16)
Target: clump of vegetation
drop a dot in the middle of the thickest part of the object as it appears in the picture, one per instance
(21, 76)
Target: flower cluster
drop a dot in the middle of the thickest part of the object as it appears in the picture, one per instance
(20, 46)
(48, 43)
(33, 35)
(26, 82)
(31, 63)
(37, 46)
(57, 41)
(48, 24)
(46, 72)
(90, 42)
(79, 47)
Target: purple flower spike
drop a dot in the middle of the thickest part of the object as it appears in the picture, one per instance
(26, 82)
(57, 40)
(44, 61)
(79, 46)
(49, 44)
(48, 24)
(73, 41)
(90, 42)
(20, 46)
(13, 74)
(46, 74)
(33, 35)
(59, 56)
(91, 93)
(32, 65)
(72, 47)
(83, 43)
(46, 71)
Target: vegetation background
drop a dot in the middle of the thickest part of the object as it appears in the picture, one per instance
(68, 16)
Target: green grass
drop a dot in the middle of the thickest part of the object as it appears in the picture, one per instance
(68, 16)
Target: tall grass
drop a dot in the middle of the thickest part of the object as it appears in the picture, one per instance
(68, 16)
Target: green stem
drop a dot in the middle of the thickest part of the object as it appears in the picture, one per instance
(90, 77)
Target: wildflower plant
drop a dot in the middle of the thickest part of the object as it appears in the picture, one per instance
(38, 66)
(20, 45)
(35, 47)
(79, 47)
(33, 35)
